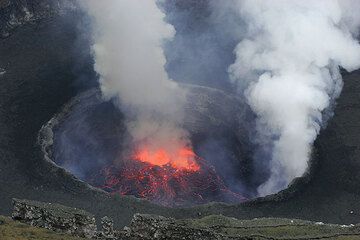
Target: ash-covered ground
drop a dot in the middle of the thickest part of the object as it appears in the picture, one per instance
(47, 62)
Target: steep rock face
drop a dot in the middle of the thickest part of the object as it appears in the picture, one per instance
(55, 217)
(224, 228)
(82, 224)
(107, 228)
(15, 13)
(149, 227)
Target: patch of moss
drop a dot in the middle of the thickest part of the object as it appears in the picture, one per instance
(275, 228)
(12, 230)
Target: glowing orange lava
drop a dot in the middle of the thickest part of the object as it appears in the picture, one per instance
(180, 178)
(183, 159)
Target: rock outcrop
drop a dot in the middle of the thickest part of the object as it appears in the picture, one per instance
(107, 228)
(15, 13)
(55, 217)
(148, 227)
(81, 223)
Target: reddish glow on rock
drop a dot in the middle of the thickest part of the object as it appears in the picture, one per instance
(180, 179)
(183, 159)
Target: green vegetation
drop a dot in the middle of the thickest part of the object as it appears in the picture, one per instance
(12, 230)
(275, 228)
(261, 228)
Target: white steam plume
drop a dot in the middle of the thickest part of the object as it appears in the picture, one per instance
(288, 64)
(129, 58)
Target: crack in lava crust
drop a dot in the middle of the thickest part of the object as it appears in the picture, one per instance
(181, 179)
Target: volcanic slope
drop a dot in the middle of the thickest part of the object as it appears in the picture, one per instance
(213, 226)
(44, 63)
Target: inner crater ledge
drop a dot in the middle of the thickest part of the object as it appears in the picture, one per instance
(88, 138)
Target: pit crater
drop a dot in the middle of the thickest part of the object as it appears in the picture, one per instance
(88, 135)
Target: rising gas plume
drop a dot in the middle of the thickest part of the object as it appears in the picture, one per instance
(286, 64)
(129, 58)
(288, 67)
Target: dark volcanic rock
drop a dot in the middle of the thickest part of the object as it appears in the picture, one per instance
(41, 73)
(224, 228)
(55, 217)
(15, 13)
(107, 228)
(88, 134)
(149, 227)
(81, 223)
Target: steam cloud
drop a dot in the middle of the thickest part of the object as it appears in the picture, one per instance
(129, 58)
(287, 66)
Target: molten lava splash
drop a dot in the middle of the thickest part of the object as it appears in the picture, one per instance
(184, 159)
(167, 179)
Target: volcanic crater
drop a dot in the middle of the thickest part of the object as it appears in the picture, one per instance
(88, 138)
(329, 194)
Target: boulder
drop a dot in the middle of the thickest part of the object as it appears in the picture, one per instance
(107, 227)
(55, 217)
(148, 227)
(144, 226)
